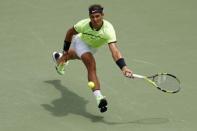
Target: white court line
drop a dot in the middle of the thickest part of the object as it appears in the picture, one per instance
(144, 62)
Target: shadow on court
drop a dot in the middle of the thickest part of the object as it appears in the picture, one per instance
(68, 103)
(71, 103)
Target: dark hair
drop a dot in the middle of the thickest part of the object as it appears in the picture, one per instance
(96, 8)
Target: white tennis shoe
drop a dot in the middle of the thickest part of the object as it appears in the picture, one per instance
(60, 68)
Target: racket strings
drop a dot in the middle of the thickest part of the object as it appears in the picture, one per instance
(167, 82)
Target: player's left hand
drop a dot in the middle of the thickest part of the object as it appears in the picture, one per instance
(127, 72)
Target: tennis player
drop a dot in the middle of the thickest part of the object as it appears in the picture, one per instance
(82, 41)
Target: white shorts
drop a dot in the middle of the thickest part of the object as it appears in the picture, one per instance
(81, 47)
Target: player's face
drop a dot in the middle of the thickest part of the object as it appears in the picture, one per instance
(96, 20)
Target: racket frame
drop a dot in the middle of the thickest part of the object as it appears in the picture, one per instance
(150, 79)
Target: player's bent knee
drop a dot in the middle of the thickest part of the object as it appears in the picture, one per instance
(89, 61)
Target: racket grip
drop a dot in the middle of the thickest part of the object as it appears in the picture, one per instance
(138, 76)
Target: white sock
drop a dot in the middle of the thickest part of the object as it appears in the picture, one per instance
(97, 93)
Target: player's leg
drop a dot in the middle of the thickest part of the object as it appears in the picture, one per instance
(80, 50)
(60, 59)
(70, 55)
(90, 63)
(85, 52)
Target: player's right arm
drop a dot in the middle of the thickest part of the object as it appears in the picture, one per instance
(67, 42)
(70, 34)
(77, 28)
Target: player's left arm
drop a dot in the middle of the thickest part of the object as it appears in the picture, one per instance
(118, 58)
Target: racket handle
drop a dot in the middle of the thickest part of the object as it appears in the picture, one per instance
(138, 76)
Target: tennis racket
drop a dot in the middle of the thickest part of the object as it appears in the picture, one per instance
(163, 81)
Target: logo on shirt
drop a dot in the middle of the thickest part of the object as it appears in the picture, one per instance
(93, 36)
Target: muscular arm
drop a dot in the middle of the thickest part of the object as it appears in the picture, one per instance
(67, 42)
(116, 54)
(70, 34)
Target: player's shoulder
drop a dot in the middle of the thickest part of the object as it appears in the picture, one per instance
(108, 27)
(108, 23)
(84, 21)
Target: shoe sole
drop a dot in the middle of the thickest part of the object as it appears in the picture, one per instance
(103, 105)
(54, 60)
